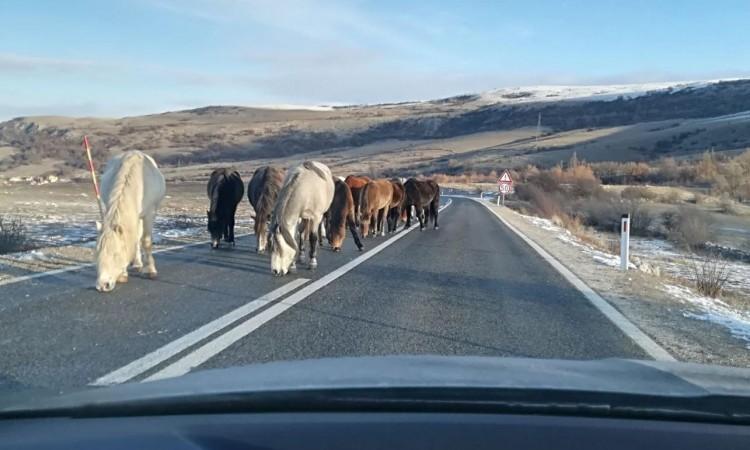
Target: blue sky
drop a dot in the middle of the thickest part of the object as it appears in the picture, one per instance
(127, 57)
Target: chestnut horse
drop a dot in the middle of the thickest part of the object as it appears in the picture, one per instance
(396, 207)
(425, 197)
(340, 216)
(356, 183)
(374, 201)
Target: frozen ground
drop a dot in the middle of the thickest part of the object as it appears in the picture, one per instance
(60, 220)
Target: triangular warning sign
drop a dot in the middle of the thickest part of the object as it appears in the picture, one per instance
(505, 178)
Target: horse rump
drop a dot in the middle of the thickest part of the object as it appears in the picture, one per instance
(225, 190)
(262, 192)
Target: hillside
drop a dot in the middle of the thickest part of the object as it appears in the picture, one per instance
(620, 122)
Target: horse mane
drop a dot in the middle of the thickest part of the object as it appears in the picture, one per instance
(123, 180)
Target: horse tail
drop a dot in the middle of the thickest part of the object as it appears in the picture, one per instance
(311, 165)
(435, 203)
(218, 177)
(281, 203)
(269, 192)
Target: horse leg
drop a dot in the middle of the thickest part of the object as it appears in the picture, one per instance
(435, 210)
(383, 219)
(260, 234)
(420, 211)
(137, 262)
(314, 246)
(147, 243)
(303, 233)
(407, 207)
(353, 230)
(231, 229)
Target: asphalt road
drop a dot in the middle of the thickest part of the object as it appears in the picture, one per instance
(470, 288)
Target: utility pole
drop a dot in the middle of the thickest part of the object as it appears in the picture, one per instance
(538, 131)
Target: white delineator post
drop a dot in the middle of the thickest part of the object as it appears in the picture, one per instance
(624, 241)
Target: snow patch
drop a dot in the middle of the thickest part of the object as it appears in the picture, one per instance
(529, 94)
(714, 311)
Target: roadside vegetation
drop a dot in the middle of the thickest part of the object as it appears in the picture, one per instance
(13, 235)
(672, 200)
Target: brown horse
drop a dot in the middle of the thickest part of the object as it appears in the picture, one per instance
(356, 183)
(395, 209)
(374, 201)
(262, 192)
(425, 197)
(340, 216)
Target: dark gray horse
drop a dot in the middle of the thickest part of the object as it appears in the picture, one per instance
(425, 197)
(262, 192)
(225, 190)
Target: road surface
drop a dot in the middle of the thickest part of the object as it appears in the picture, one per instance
(470, 288)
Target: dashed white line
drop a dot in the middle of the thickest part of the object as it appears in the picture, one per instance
(215, 346)
(160, 355)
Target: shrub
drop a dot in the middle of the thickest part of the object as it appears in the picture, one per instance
(689, 228)
(710, 274)
(641, 220)
(545, 205)
(728, 206)
(638, 193)
(671, 197)
(13, 235)
(600, 213)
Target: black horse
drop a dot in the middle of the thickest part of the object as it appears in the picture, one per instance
(225, 191)
(425, 197)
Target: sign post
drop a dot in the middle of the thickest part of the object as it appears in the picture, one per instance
(624, 241)
(93, 176)
(504, 186)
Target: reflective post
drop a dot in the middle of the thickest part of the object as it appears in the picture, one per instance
(624, 241)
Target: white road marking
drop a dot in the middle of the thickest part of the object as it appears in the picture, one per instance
(620, 321)
(83, 266)
(215, 346)
(160, 355)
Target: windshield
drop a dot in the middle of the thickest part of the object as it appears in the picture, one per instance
(193, 185)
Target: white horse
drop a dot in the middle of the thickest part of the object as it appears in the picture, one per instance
(305, 196)
(132, 189)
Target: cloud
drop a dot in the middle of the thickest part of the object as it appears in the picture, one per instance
(10, 62)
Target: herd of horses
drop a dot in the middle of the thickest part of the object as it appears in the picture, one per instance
(291, 207)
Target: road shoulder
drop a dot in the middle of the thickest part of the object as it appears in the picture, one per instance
(640, 298)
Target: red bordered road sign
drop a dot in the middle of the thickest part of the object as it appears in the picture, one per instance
(505, 183)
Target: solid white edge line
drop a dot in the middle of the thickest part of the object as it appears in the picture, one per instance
(616, 317)
(83, 266)
(161, 354)
(215, 346)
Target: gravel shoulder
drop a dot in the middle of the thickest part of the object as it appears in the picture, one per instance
(676, 325)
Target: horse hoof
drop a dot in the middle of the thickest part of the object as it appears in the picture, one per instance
(151, 275)
(361, 249)
(437, 227)
(313, 264)
(122, 279)
(138, 269)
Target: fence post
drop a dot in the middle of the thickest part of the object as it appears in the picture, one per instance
(624, 241)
